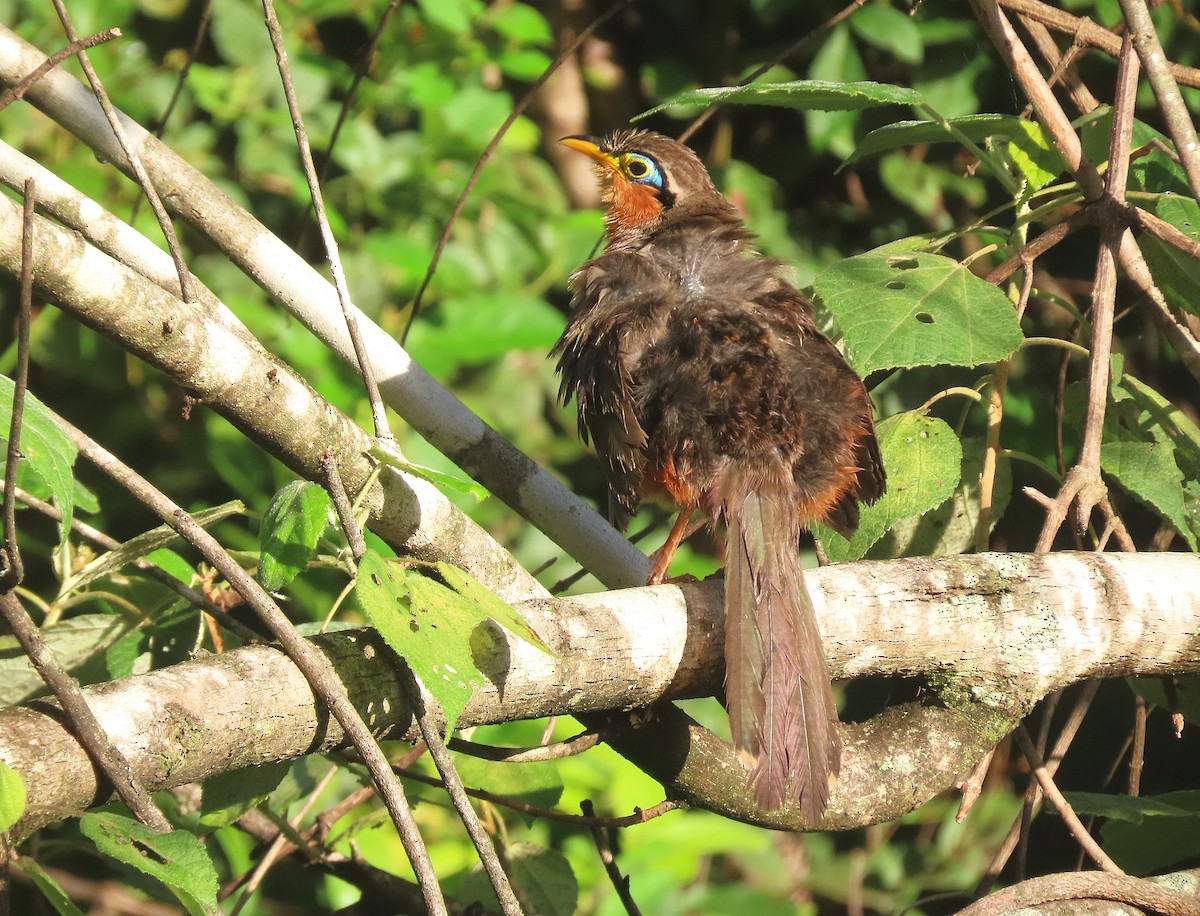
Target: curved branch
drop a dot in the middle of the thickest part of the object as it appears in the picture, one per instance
(996, 631)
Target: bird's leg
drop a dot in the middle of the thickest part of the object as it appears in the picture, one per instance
(661, 558)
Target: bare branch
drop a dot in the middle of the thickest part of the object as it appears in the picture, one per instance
(1046, 621)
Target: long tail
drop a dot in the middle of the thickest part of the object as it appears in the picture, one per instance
(780, 702)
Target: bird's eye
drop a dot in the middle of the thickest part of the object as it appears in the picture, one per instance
(642, 170)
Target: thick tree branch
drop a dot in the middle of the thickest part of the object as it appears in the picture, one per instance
(432, 410)
(208, 352)
(996, 631)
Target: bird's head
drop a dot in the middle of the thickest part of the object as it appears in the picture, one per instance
(645, 176)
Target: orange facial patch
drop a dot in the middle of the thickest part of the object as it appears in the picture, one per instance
(632, 204)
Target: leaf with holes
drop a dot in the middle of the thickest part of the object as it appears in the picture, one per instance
(494, 607)
(290, 531)
(807, 95)
(1176, 272)
(428, 625)
(923, 460)
(917, 310)
(177, 859)
(46, 446)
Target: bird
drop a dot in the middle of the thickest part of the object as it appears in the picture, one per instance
(701, 378)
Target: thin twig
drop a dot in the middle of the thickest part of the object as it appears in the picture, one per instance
(13, 573)
(639, 816)
(702, 118)
(1137, 759)
(1067, 735)
(517, 109)
(378, 413)
(131, 156)
(1031, 251)
(1085, 31)
(619, 881)
(1064, 809)
(160, 575)
(556, 751)
(341, 503)
(87, 728)
(423, 706)
(312, 663)
(18, 91)
(1170, 102)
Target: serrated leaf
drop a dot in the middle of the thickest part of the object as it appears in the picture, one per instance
(46, 446)
(1176, 272)
(227, 796)
(923, 459)
(434, 476)
(1168, 830)
(543, 878)
(1174, 424)
(76, 642)
(1129, 808)
(12, 797)
(290, 531)
(975, 128)
(494, 607)
(144, 544)
(950, 528)
(176, 859)
(806, 95)
(1148, 471)
(50, 888)
(916, 310)
(426, 624)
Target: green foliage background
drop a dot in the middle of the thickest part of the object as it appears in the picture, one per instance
(445, 77)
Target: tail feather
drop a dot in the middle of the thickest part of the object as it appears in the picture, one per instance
(780, 702)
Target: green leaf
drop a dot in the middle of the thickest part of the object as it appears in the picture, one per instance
(535, 783)
(290, 531)
(1185, 695)
(1149, 472)
(452, 15)
(1149, 834)
(12, 797)
(950, 528)
(1176, 273)
(837, 61)
(177, 859)
(1030, 150)
(806, 95)
(923, 459)
(144, 544)
(976, 128)
(50, 888)
(917, 310)
(543, 879)
(433, 475)
(427, 625)
(46, 446)
(227, 796)
(492, 606)
(1166, 418)
(521, 23)
(890, 30)
(76, 642)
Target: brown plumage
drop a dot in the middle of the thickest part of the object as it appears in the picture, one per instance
(700, 376)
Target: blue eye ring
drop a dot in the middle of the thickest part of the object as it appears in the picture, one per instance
(642, 170)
